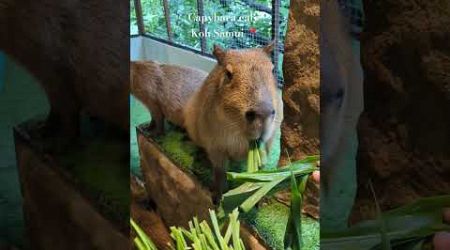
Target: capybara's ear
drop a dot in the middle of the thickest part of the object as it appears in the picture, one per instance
(269, 47)
(219, 53)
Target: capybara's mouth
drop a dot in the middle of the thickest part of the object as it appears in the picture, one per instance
(256, 134)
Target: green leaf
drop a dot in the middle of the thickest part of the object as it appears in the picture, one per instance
(385, 241)
(416, 221)
(142, 239)
(216, 228)
(209, 235)
(270, 175)
(248, 204)
(293, 235)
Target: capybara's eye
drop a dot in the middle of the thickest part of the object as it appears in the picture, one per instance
(229, 75)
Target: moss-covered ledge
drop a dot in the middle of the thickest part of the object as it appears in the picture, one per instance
(70, 201)
(177, 176)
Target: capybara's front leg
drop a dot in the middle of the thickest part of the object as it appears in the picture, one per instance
(157, 123)
(220, 164)
(62, 126)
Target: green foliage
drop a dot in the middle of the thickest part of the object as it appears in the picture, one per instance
(257, 185)
(182, 25)
(257, 157)
(254, 186)
(293, 235)
(406, 227)
(181, 152)
(177, 146)
(133, 19)
(270, 220)
(142, 241)
(200, 236)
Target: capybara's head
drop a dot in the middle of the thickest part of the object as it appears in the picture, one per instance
(248, 93)
(341, 82)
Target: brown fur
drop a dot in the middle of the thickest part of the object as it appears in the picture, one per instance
(216, 114)
(78, 52)
(164, 89)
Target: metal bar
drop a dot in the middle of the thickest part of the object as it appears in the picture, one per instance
(161, 40)
(140, 19)
(257, 6)
(167, 17)
(275, 33)
(201, 13)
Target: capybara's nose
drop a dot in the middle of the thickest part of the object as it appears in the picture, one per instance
(262, 111)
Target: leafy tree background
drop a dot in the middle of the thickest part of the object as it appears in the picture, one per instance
(182, 26)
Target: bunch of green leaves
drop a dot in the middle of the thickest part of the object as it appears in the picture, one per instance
(407, 227)
(181, 26)
(254, 186)
(257, 157)
(293, 234)
(200, 236)
(142, 241)
(154, 20)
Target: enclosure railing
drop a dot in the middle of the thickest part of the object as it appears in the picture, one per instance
(351, 8)
(274, 11)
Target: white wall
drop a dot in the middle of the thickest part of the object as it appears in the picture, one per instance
(144, 48)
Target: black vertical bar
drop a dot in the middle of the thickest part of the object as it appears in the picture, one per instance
(140, 19)
(167, 17)
(275, 33)
(201, 26)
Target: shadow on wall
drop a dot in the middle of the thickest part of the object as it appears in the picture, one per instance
(20, 99)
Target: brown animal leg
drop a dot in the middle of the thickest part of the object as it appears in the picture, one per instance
(220, 164)
(62, 126)
(157, 123)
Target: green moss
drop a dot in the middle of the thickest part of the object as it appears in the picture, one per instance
(270, 222)
(181, 152)
(104, 181)
(177, 146)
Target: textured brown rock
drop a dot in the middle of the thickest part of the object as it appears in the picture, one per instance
(300, 127)
(404, 131)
